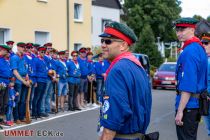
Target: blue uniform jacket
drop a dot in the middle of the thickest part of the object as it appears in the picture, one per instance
(209, 74)
(191, 73)
(54, 63)
(5, 71)
(91, 69)
(41, 70)
(83, 64)
(74, 72)
(48, 61)
(19, 64)
(106, 65)
(62, 71)
(98, 68)
(11, 53)
(30, 67)
(127, 100)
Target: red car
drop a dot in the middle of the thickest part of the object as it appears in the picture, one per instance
(164, 77)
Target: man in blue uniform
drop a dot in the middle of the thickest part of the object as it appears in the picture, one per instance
(29, 58)
(62, 83)
(18, 65)
(191, 74)
(83, 64)
(127, 98)
(10, 43)
(41, 79)
(5, 74)
(73, 81)
(206, 43)
(99, 71)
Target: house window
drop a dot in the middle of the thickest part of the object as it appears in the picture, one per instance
(42, 0)
(42, 37)
(104, 22)
(77, 46)
(4, 35)
(77, 12)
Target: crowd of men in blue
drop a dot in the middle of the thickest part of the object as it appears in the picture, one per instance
(126, 101)
(44, 69)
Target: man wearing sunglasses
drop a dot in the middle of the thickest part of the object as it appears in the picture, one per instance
(191, 77)
(126, 109)
(206, 43)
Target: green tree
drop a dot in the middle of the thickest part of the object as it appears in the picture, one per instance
(147, 46)
(198, 17)
(156, 15)
(208, 18)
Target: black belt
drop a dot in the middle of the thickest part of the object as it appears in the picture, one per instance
(192, 95)
(130, 136)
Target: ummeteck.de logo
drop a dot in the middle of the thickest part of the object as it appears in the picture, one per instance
(32, 133)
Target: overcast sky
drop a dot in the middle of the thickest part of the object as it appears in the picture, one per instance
(195, 7)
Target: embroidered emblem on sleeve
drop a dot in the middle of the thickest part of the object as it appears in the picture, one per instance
(105, 106)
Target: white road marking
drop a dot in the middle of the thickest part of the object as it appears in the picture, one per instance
(48, 119)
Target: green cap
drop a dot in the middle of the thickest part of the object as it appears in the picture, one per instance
(36, 45)
(5, 47)
(186, 22)
(121, 31)
(61, 52)
(21, 44)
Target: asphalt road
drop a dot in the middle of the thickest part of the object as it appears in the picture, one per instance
(82, 125)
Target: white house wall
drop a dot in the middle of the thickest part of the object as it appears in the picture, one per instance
(99, 13)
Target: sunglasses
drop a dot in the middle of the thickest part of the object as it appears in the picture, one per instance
(180, 29)
(205, 43)
(110, 41)
(42, 51)
(74, 55)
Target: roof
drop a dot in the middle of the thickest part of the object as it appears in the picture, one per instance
(107, 3)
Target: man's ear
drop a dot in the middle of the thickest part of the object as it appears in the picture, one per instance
(124, 46)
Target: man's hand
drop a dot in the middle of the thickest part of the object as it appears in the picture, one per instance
(178, 118)
(108, 134)
(185, 96)
(27, 83)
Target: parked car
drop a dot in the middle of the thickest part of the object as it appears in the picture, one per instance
(144, 60)
(164, 76)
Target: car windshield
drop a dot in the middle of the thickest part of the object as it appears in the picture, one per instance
(168, 67)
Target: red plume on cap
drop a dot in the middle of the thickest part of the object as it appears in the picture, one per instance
(73, 52)
(42, 48)
(48, 45)
(29, 45)
(61, 52)
(82, 50)
(10, 42)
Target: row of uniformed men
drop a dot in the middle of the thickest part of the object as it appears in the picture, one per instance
(41, 66)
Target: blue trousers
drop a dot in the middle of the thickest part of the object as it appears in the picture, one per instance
(207, 122)
(45, 108)
(99, 88)
(38, 96)
(32, 95)
(20, 102)
(9, 113)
